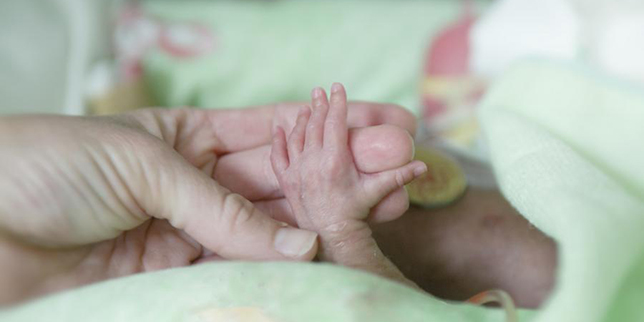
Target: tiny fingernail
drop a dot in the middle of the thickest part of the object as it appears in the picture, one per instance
(335, 87)
(420, 170)
(293, 242)
(317, 92)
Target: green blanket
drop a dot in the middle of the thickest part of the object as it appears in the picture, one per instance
(264, 292)
(567, 148)
(275, 51)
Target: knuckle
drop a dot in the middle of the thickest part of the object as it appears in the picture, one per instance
(409, 175)
(236, 211)
(399, 177)
(342, 234)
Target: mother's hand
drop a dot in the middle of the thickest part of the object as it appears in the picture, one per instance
(83, 199)
(380, 140)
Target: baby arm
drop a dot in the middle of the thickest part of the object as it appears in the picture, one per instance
(325, 190)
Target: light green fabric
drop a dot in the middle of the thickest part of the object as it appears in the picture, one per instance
(567, 149)
(284, 292)
(278, 51)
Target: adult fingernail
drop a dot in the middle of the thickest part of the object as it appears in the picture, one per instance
(420, 169)
(292, 242)
(335, 87)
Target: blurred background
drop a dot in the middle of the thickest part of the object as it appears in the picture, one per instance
(436, 58)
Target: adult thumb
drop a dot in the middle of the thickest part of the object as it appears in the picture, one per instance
(224, 222)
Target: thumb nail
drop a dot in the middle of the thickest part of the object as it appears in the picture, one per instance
(292, 242)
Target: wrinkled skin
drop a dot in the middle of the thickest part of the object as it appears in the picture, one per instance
(86, 199)
(327, 192)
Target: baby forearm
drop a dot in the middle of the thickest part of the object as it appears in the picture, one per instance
(357, 248)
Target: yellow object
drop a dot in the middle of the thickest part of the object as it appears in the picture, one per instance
(234, 314)
(497, 296)
(458, 96)
(443, 183)
(122, 97)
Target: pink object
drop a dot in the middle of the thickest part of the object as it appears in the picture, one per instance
(186, 40)
(433, 107)
(449, 54)
(136, 34)
(450, 91)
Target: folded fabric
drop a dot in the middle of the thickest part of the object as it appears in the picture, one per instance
(566, 145)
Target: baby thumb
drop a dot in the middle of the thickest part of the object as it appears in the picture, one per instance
(379, 185)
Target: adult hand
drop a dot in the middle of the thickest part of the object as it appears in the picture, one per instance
(83, 199)
(380, 139)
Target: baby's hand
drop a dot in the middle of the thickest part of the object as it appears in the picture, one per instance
(324, 188)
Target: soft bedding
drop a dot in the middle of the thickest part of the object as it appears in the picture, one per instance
(565, 145)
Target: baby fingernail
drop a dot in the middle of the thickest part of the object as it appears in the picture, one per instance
(317, 92)
(335, 87)
(292, 242)
(420, 170)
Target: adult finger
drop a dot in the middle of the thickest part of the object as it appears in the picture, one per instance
(222, 221)
(374, 149)
(255, 124)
